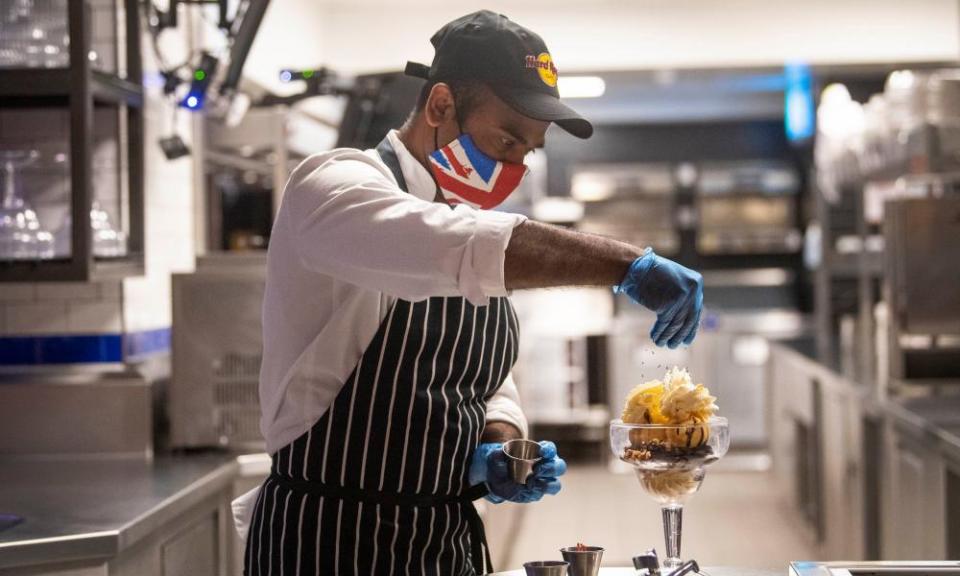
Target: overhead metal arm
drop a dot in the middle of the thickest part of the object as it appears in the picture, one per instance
(250, 20)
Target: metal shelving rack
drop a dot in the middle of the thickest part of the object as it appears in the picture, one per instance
(80, 88)
(853, 283)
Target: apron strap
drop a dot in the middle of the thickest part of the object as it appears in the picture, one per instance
(479, 551)
(389, 157)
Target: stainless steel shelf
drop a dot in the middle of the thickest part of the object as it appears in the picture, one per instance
(61, 270)
(848, 265)
(54, 83)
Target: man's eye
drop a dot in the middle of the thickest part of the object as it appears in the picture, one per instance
(507, 142)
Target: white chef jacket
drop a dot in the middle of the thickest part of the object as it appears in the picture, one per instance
(346, 243)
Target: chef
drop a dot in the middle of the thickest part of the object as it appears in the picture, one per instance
(386, 389)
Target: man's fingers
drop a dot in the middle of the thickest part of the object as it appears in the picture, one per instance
(547, 449)
(691, 332)
(658, 327)
(549, 486)
(498, 466)
(553, 468)
(675, 327)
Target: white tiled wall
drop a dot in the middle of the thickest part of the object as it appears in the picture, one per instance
(16, 293)
(169, 227)
(60, 308)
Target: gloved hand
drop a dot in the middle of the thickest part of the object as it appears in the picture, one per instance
(673, 291)
(489, 465)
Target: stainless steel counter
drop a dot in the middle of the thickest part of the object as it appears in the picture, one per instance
(83, 509)
(872, 475)
(710, 571)
(935, 416)
(807, 348)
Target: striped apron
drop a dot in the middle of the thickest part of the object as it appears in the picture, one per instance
(378, 485)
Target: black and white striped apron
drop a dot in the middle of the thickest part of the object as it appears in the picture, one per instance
(379, 484)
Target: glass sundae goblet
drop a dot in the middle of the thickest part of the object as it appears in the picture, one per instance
(670, 461)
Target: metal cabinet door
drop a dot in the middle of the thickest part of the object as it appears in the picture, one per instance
(953, 509)
(913, 526)
(783, 379)
(839, 507)
(194, 551)
(739, 383)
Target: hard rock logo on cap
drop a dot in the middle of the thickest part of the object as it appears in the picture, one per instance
(544, 66)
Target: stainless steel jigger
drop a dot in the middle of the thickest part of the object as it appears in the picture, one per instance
(546, 568)
(583, 561)
(521, 457)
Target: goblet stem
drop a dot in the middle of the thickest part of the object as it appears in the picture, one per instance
(672, 529)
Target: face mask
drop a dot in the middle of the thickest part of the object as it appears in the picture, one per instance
(468, 176)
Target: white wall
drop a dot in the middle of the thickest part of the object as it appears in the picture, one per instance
(365, 35)
(290, 36)
(168, 201)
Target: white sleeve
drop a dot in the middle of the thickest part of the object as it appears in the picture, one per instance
(504, 406)
(351, 221)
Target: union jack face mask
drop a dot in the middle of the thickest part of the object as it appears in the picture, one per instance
(468, 176)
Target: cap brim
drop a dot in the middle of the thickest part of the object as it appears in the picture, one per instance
(540, 106)
(417, 70)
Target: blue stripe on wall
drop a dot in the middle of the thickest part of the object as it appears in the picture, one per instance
(146, 343)
(82, 348)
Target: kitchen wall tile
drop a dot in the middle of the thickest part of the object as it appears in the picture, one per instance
(67, 291)
(95, 318)
(110, 291)
(12, 291)
(36, 318)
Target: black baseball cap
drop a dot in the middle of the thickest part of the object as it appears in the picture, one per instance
(512, 60)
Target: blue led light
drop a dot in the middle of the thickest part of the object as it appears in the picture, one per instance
(799, 108)
(193, 100)
(286, 76)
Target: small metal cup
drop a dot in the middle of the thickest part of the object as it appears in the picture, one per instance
(546, 568)
(583, 562)
(521, 456)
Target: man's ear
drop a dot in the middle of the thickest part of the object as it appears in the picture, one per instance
(440, 107)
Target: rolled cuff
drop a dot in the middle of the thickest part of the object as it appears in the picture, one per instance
(481, 270)
(515, 418)
(504, 406)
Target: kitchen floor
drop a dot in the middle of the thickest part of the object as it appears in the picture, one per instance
(735, 520)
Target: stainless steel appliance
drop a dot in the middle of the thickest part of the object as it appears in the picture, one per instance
(76, 412)
(921, 285)
(217, 344)
(747, 207)
(633, 202)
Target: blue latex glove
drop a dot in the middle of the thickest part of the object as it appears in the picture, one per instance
(673, 291)
(489, 465)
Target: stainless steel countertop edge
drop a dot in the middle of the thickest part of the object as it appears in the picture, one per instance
(141, 526)
(89, 546)
(109, 543)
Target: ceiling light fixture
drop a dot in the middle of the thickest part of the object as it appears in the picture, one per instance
(581, 86)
